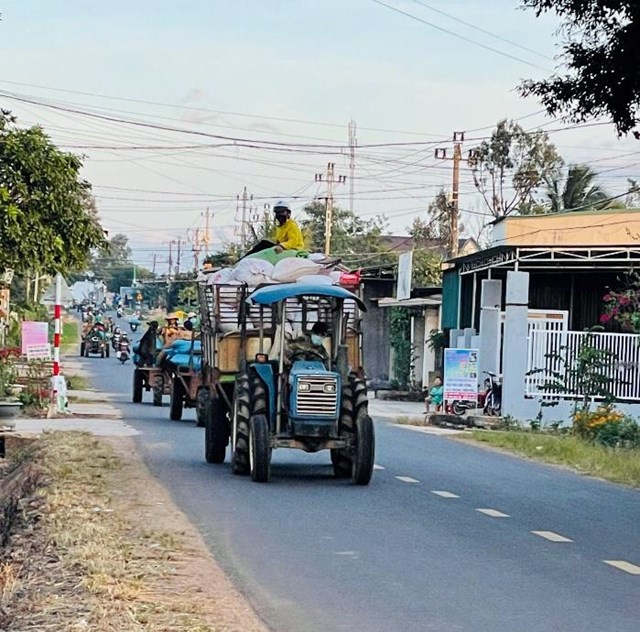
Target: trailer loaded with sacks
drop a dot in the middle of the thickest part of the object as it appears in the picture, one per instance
(266, 386)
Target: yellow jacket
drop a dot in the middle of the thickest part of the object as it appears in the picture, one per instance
(289, 236)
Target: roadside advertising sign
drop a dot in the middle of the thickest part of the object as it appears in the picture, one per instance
(34, 333)
(461, 375)
(39, 352)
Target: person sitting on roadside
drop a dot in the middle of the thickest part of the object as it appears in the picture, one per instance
(434, 395)
(309, 347)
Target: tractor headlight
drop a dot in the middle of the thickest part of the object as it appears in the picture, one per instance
(330, 388)
(304, 387)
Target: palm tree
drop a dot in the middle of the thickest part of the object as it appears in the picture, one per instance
(577, 192)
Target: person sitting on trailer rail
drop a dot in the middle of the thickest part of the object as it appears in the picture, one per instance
(288, 233)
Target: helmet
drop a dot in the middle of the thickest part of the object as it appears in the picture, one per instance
(281, 204)
(191, 315)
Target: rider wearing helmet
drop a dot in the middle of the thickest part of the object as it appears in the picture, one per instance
(288, 233)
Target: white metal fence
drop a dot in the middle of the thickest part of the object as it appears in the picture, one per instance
(552, 352)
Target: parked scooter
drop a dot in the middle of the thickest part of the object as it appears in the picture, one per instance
(489, 399)
(493, 395)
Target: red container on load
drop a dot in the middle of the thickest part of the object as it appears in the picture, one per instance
(350, 279)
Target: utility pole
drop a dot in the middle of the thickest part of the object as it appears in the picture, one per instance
(329, 178)
(206, 239)
(153, 267)
(244, 207)
(196, 250)
(179, 244)
(454, 204)
(353, 141)
(170, 259)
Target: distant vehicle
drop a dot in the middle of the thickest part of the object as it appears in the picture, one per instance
(94, 342)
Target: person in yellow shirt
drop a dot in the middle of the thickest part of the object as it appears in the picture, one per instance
(288, 233)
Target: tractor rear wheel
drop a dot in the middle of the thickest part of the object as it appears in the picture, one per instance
(259, 450)
(137, 386)
(240, 436)
(82, 348)
(158, 390)
(365, 449)
(216, 427)
(177, 400)
(106, 348)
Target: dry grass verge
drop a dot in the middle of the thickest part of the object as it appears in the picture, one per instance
(95, 554)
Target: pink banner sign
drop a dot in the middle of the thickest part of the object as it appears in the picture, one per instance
(34, 334)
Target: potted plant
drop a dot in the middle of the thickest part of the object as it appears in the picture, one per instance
(9, 403)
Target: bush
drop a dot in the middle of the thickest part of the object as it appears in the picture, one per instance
(622, 434)
(608, 427)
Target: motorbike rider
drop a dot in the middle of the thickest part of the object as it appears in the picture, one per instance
(117, 333)
(123, 350)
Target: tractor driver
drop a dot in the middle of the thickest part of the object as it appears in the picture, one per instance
(309, 347)
(288, 233)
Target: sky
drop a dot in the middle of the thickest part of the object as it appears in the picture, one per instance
(176, 107)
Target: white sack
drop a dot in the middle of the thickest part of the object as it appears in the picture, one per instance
(291, 269)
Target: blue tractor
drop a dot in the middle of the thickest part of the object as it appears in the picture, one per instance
(293, 388)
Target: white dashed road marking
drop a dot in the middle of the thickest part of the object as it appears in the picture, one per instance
(407, 479)
(444, 494)
(627, 567)
(494, 513)
(551, 536)
(378, 467)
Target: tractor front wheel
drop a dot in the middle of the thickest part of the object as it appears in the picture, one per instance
(365, 449)
(203, 401)
(259, 449)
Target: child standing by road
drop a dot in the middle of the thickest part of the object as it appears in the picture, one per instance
(435, 395)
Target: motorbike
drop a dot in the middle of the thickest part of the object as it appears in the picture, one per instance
(119, 313)
(489, 399)
(493, 395)
(115, 340)
(123, 352)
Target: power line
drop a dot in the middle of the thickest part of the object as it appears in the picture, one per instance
(481, 30)
(462, 37)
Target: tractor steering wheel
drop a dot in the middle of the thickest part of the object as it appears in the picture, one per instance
(302, 354)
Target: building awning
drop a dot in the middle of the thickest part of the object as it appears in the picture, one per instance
(410, 302)
(547, 258)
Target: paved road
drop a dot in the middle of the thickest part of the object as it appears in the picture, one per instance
(448, 537)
